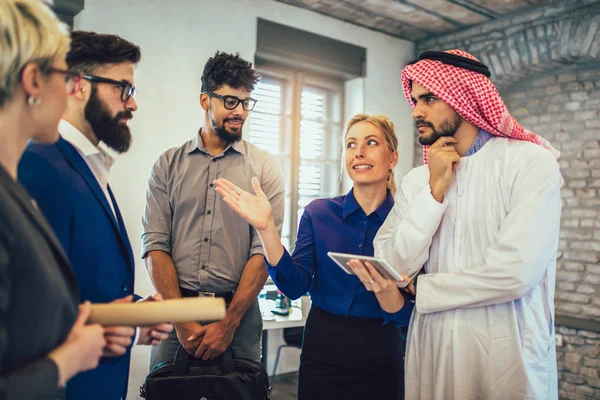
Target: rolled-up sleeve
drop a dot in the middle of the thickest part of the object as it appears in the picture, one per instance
(271, 182)
(157, 218)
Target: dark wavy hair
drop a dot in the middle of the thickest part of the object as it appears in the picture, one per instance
(91, 50)
(228, 69)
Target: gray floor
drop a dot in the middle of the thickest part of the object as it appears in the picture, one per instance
(284, 387)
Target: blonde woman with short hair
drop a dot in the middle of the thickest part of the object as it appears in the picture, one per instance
(353, 347)
(44, 339)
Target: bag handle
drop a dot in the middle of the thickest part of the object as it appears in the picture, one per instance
(182, 360)
(227, 361)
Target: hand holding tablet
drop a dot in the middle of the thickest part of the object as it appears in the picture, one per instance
(380, 264)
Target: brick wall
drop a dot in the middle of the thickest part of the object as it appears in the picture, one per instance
(579, 364)
(565, 109)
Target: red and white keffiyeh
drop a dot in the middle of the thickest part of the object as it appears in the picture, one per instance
(472, 95)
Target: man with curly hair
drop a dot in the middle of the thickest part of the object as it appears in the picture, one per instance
(194, 244)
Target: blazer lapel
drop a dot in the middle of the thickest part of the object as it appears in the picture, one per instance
(124, 236)
(79, 165)
(20, 195)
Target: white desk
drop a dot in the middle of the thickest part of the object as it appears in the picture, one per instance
(274, 321)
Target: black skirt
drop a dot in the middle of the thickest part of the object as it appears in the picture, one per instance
(350, 358)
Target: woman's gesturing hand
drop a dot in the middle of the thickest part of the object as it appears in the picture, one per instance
(255, 209)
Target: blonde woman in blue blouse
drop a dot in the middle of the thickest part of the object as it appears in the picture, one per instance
(352, 347)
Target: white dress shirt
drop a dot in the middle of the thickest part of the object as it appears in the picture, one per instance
(95, 157)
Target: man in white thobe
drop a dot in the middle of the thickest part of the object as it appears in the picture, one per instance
(482, 218)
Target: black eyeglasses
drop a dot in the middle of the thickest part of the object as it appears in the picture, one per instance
(127, 89)
(231, 102)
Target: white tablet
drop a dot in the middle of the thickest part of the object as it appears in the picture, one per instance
(380, 264)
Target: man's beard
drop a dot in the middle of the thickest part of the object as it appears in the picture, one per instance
(224, 134)
(447, 128)
(109, 130)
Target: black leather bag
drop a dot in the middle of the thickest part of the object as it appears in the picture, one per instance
(224, 378)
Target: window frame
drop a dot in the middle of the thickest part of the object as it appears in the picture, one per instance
(294, 83)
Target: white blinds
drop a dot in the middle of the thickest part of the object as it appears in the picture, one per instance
(265, 124)
(312, 132)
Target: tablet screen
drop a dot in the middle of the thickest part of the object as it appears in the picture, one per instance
(380, 264)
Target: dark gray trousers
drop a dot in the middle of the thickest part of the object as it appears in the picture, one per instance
(245, 343)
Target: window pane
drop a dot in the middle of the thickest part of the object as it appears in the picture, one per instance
(313, 104)
(287, 228)
(268, 130)
(319, 145)
(309, 183)
(266, 121)
(311, 139)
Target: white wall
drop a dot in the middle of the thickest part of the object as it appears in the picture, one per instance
(176, 38)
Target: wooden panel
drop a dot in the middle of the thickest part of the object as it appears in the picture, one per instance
(453, 11)
(509, 6)
(349, 12)
(409, 14)
(417, 19)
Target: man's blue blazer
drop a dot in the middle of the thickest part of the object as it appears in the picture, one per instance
(97, 245)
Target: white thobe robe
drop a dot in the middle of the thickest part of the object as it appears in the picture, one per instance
(483, 324)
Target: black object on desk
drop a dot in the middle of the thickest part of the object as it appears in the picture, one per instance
(281, 311)
(282, 304)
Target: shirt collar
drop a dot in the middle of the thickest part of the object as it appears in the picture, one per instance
(239, 147)
(194, 145)
(198, 144)
(480, 140)
(350, 205)
(76, 138)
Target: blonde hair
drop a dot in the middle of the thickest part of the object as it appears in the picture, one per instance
(29, 33)
(386, 126)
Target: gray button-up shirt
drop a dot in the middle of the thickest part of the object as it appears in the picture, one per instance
(186, 218)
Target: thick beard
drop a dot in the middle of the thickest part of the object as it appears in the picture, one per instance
(109, 130)
(447, 128)
(225, 135)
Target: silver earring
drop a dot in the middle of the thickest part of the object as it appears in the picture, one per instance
(34, 101)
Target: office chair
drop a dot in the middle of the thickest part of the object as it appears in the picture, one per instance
(292, 337)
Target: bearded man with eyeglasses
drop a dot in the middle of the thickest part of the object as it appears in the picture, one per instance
(69, 182)
(194, 244)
